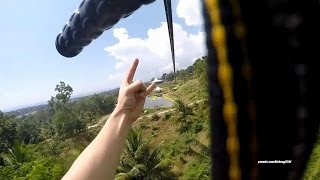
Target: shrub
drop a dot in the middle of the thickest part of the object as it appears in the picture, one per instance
(155, 117)
(154, 128)
(197, 171)
(167, 115)
(142, 126)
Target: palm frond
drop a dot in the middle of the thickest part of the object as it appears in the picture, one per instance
(8, 159)
(123, 176)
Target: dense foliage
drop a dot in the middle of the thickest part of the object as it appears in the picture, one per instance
(42, 144)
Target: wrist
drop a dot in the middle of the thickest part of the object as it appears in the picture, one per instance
(121, 115)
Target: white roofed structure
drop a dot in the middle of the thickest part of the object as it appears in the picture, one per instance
(158, 89)
(157, 81)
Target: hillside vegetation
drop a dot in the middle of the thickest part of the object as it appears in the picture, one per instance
(165, 143)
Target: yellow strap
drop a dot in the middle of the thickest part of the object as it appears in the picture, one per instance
(225, 77)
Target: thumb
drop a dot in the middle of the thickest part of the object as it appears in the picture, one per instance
(150, 88)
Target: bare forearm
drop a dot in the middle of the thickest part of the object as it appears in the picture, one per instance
(101, 158)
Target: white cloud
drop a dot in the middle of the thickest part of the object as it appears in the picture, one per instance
(154, 51)
(190, 11)
(121, 33)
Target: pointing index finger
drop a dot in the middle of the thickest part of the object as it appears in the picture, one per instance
(132, 71)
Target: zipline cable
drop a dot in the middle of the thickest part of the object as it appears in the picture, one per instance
(168, 9)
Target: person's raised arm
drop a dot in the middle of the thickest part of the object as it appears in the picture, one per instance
(101, 157)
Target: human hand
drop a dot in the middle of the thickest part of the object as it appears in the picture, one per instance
(132, 95)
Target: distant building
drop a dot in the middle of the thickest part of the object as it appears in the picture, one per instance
(157, 81)
(158, 89)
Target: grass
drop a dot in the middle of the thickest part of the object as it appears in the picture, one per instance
(154, 98)
(312, 171)
(164, 135)
(165, 96)
(186, 92)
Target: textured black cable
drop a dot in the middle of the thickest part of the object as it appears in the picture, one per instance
(90, 20)
(167, 5)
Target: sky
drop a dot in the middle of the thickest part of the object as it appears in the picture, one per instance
(31, 67)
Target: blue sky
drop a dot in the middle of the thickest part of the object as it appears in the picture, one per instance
(30, 66)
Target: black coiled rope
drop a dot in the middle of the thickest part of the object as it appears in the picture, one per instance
(93, 17)
(90, 20)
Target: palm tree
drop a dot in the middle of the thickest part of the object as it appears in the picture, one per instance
(184, 115)
(15, 156)
(201, 151)
(139, 162)
(183, 109)
(203, 161)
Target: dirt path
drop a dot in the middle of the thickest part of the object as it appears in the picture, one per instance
(168, 110)
(105, 118)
